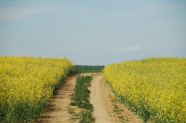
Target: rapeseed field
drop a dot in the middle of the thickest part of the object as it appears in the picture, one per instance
(26, 84)
(155, 87)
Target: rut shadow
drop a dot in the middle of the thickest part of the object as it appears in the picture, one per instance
(61, 92)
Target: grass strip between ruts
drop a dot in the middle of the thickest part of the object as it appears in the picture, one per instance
(80, 99)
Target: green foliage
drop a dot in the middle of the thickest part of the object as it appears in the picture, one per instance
(86, 69)
(86, 117)
(81, 91)
(80, 98)
(85, 105)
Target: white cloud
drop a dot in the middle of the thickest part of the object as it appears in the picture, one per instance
(17, 13)
(127, 49)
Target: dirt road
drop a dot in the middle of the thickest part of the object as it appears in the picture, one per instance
(57, 111)
(105, 109)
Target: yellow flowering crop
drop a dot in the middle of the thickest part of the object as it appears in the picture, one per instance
(27, 83)
(155, 87)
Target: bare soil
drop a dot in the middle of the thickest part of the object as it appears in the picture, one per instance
(57, 109)
(106, 110)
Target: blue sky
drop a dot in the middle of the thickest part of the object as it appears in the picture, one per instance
(95, 32)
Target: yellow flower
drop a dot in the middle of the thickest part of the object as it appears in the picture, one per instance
(157, 84)
(26, 84)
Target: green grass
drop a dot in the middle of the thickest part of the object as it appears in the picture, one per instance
(80, 99)
(85, 105)
(85, 116)
(86, 69)
(81, 92)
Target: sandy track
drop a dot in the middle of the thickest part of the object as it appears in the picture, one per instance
(104, 107)
(57, 111)
(100, 97)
